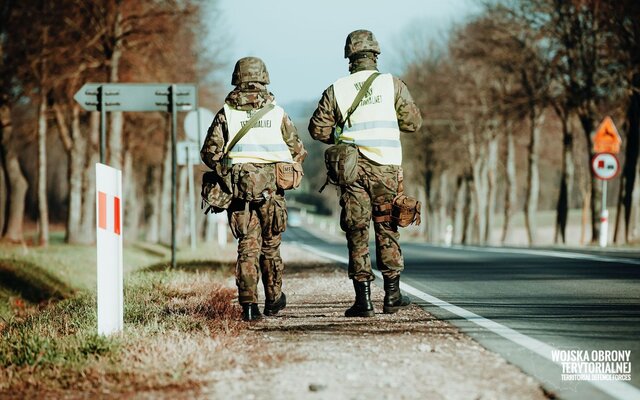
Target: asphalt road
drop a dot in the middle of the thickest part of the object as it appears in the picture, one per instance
(559, 300)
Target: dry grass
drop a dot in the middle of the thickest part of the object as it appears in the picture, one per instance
(175, 322)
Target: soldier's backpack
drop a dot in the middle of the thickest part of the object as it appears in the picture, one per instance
(217, 186)
(341, 159)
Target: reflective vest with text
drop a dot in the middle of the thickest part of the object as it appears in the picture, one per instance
(263, 144)
(374, 124)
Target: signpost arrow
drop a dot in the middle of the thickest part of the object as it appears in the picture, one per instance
(135, 96)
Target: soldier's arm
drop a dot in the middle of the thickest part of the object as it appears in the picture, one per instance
(213, 148)
(290, 136)
(325, 117)
(409, 118)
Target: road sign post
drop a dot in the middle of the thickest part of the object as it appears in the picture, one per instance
(166, 97)
(605, 166)
(109, 249)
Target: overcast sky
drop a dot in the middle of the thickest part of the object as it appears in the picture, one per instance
(302, 42)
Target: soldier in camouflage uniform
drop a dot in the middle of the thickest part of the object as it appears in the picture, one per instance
(257, 215)
(386, 110)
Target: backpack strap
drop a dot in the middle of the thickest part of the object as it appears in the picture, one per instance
(250, 124)
(356, 102)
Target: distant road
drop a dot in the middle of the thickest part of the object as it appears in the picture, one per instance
(525, 303)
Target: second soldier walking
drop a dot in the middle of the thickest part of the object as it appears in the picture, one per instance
(254, 141)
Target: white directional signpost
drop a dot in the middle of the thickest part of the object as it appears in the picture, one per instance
(605, 166)
(109, 248)
(167, 97)
(196, 124)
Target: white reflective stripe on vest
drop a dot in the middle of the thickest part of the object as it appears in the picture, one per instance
(374, 124)
(263, 144)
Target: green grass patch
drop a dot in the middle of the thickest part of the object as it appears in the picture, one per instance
(171, 317)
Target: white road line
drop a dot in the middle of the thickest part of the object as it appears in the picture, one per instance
(617, 389)
(547, 253)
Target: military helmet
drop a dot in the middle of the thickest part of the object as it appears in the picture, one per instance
(360, 40)
(250, 69)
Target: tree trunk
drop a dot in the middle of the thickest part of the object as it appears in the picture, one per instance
(492, 172)
(422, 197)
(586, 205)
(131, 200)
(458, 213)
(77, 157)
(596, 188)
(182, 226)
(75, 144)
(467, 211)
(510, 194)
(428, 207)
(165, 195)
(443, 202)
(628, 179)
(154, 180)
(533, 178)
(116, 124)
(16, 182)
(43, 209)
(479, 186)
(566, 182)
(88, 223)
(4, 189)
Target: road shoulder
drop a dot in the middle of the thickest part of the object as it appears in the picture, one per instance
(312, 351)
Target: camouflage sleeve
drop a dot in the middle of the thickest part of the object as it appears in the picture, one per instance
(408, 113)
(290, 136)
(213, 147)
(325, 117)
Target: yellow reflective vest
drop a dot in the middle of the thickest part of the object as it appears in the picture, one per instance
(263, 144)
(374, 124)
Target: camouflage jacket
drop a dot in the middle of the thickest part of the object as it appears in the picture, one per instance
(247, 96)
(327, 115)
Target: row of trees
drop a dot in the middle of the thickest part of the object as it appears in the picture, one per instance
(48, 50)
(518, 81)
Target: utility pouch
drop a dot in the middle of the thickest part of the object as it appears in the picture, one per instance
(288, 175)
(280, 215)
(342, 164)
(216, 192)
(405, 211)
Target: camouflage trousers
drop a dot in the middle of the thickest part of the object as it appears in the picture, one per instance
(376, 185)
(258, 228)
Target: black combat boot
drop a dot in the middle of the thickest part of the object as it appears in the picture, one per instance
(362, 307)
(272, 307)
(251, 312)
(393, 299)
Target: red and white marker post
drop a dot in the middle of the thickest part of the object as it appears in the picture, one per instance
(109, 247)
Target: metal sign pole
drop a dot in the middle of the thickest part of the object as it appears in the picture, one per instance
(192, 199)
(604, 217)
(103, 125)
(174, 193)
